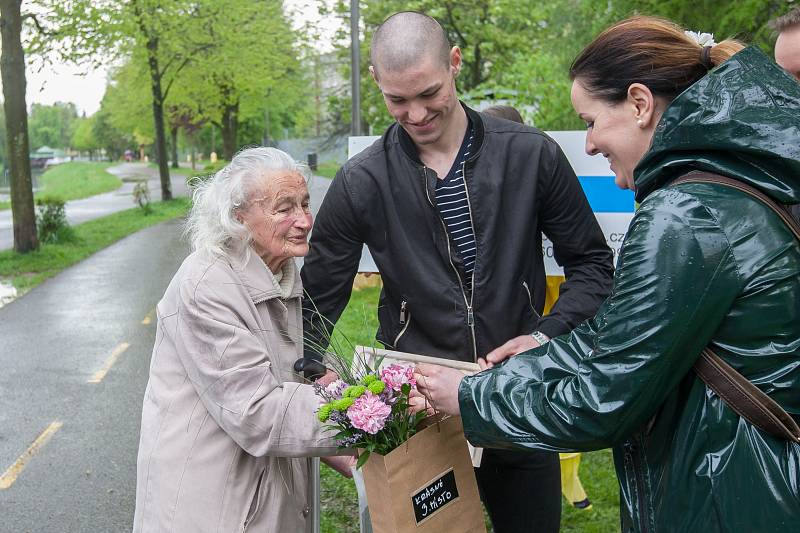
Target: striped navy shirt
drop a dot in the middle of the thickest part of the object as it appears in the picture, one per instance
(451, 200)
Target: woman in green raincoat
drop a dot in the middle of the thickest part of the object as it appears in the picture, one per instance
(702, 265)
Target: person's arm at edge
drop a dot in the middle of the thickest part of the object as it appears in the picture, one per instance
(593, 387)
(578, 245)
(330, 266)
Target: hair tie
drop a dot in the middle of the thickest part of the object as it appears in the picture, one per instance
(705, 57)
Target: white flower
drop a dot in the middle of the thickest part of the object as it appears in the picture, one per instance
(703, 39)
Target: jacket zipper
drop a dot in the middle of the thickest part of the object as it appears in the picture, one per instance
(467, 302)
(530, 300)
(470, 307)
(404, 321)
(633, 452)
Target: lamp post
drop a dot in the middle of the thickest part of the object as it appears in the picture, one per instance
(355, 72)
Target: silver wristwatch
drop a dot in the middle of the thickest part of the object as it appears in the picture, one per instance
(540, 337)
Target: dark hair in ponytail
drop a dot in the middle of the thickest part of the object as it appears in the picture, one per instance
(648, 50)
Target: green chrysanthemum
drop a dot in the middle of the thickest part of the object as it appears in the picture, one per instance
(324, 412)
(376, 387)
(369, 379)
(343, 404)
(354, 391)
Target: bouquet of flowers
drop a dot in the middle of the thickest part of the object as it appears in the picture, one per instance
(417, 473)
(369, 409)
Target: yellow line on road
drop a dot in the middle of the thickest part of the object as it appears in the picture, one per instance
(10, 476)
(98, 376)
(148, 318)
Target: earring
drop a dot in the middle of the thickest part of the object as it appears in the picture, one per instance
(640, 123)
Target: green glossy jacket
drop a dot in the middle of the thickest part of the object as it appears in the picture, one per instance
(700, 264)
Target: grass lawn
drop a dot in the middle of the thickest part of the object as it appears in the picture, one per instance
(25, 271)
(339, 500)
(78, 179)
(202, 167)
(327, 169)
(75, 180)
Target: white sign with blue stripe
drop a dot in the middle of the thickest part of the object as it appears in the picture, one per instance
(612, 206)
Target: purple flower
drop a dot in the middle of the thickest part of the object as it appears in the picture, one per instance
(369, 413)
(335, 388)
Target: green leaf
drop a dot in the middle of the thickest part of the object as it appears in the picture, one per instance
(362, 458)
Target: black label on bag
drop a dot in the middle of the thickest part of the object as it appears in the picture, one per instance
(434, 496)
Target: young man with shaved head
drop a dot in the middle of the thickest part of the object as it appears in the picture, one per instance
(452, 205)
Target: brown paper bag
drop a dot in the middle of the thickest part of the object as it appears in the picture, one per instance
(425, 485)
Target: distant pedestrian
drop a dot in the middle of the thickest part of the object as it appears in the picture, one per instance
(506, 112)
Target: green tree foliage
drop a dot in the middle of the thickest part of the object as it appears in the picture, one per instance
(128, 101)
(83, 136)
(191, 62)
(167, 32)
(110, 139)
(250, 72)
(521, 50)
(52, 125)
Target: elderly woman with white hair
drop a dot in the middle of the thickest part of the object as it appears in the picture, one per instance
(227, 429)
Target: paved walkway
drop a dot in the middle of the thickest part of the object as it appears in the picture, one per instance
(104, 204)
(75, 354)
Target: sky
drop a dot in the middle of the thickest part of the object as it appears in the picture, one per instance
(85, 87)
(67, 83)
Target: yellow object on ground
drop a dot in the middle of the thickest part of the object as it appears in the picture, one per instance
(571, 486)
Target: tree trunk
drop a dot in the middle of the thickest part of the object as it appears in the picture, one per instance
(230, 127)
(12, 70)
(174, 137)
(158, 118)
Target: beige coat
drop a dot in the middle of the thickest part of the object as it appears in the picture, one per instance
(226, 428)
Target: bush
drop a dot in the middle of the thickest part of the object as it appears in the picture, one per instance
(51, 221)
(141, 195)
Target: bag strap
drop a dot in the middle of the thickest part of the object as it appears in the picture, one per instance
(781, 210)
(747, 400)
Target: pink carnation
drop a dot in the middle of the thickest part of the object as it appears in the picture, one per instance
(369, 413)
(395, 376)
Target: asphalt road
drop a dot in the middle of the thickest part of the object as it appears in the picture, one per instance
(52, 342)
(73, 429)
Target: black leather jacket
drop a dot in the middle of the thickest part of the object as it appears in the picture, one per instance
(519, 185)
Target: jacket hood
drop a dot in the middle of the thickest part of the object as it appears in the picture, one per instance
(741, 120)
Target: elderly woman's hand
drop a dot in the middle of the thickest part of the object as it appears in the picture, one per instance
(439, 385)
(343, 464)
(329, 377)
